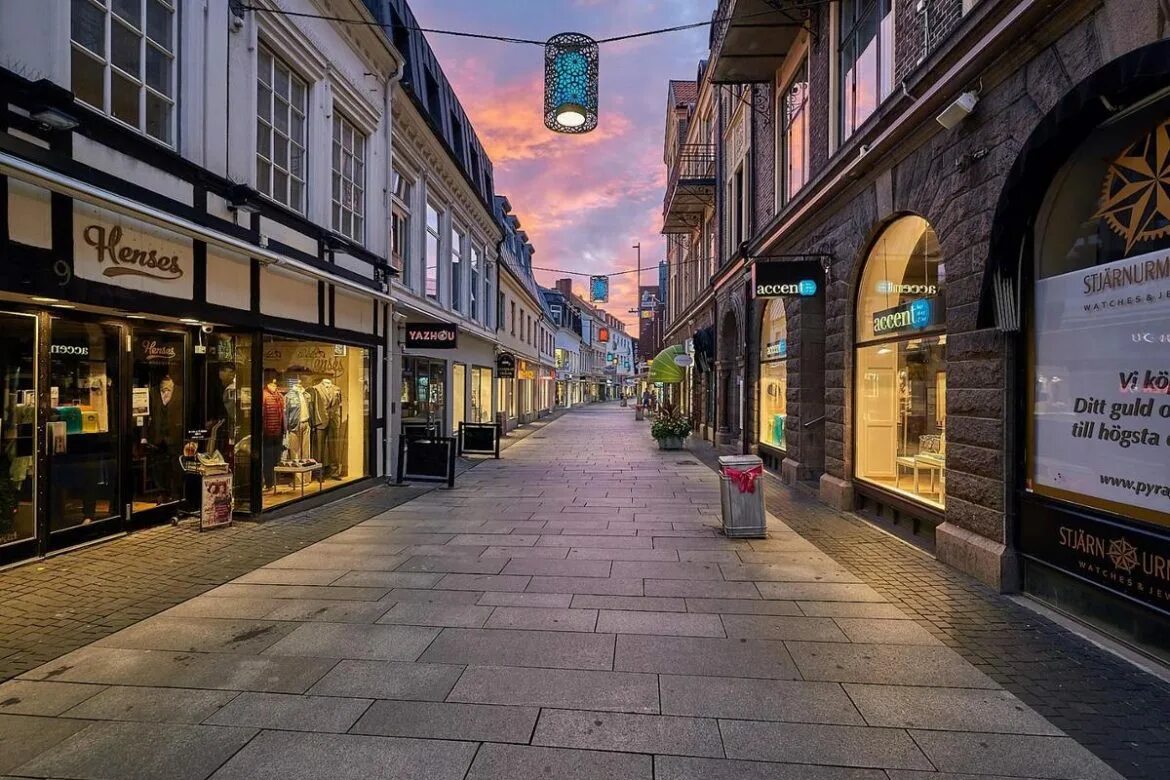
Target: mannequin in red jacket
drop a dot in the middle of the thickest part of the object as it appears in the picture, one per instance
(273, 427)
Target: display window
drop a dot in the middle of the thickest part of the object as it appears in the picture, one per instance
(481, 395)
(83, 439)
(774, 376)
(1100, 329)
(507, 397)
(227, 409)
(18, 425)
(314, 422)
(424, 391)
(458, 396)
(900, 386)
(158, 395)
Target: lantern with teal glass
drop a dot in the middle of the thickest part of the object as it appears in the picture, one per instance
(570, 83)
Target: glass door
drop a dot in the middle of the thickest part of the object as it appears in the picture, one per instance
(18, 436)
(158, 421)
(82, 431)
(458, 396)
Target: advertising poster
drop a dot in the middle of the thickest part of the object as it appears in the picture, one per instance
(216, 508)
(140, 401)
(1102, 392)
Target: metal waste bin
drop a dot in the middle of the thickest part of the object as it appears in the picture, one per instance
(741, 494)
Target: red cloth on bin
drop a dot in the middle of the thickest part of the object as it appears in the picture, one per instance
(744, 479)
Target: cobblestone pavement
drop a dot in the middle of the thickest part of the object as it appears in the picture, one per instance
(567, 612)
(51, 607)
(1117, 711)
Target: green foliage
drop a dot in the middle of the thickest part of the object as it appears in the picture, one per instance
(668, 423)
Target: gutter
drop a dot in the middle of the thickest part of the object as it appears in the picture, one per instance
(31, 173)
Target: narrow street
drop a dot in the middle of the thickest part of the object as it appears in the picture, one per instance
(569, 611)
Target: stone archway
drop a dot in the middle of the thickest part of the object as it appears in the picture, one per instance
(729, 377)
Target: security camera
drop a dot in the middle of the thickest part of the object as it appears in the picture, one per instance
(207, 328)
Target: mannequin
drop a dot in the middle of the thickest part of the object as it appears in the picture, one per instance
(273, 428)
(326, 424)
(297, 412)
(164, 436)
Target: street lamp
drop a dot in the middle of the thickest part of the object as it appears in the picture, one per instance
(570, 83)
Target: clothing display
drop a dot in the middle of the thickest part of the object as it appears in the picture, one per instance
(273, 427)
(326, 420)
(164, 438)
(298, 411)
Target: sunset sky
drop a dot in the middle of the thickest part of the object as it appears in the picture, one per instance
(584, 200)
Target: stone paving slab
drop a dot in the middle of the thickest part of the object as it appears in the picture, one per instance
(560, 688)
(277, 755)
(388, 680)
(291, 713)
(151, 705)
(675, 768)
(501, 647)
(29, 697)
(628, 733)
(517, 762)
(802, 743)
(436, 720)
(793, 701)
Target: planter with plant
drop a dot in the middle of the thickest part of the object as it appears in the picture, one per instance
(670, 429)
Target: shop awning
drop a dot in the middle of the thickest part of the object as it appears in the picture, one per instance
(664, 369)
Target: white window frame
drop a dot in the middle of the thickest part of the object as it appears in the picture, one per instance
(458, 277)
(268, 162)
(351, 183)
(402, 223)
(437, 234)
(475, 308)
(146, 43)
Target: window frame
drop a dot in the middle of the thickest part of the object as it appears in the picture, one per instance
(785, 120)
(846, 34)
(476, 279)
(355, 183)
(139, 80)
(437, 234)
(267, 188)
(401, 222)
(458, 280)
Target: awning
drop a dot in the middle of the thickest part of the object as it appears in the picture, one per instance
(664, 369)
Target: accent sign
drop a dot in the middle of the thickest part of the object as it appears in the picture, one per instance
(787, 278)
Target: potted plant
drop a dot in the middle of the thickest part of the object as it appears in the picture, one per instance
(670, 429)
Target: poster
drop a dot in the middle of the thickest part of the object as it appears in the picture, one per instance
(216, 507)
(1102, 387)
(140, 401)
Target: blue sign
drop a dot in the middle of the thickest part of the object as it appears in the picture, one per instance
(915, 315)
(786, 279)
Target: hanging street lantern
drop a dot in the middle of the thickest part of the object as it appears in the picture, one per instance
(570, 83)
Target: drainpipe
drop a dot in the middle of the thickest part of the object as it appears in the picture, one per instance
(388, 362)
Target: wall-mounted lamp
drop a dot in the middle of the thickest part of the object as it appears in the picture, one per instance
(240, 200)
(959, 110)
(53, 118)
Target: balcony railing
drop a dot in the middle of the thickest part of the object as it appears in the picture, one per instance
(690, 184)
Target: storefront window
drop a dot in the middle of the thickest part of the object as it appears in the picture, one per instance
(774, 376)
(18, 437)
(458, 396)
(314, 417)
(1100, 420)
(507, 397)
(900, 388)
(424, 395)
(227, 412)
(159, 395)
(481, 395)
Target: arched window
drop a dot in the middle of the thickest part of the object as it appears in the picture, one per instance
(1100, 323)
(900, 388)
(773, 375)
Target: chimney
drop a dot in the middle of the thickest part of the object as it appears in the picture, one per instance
(565, 287)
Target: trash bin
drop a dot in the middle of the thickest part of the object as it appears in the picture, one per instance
(638, 415)
(741, 494)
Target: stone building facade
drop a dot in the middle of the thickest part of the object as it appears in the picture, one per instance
(907, 389)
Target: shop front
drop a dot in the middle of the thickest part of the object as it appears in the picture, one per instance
(773, 384)
(446, 377)
(133, 353)
(899, 396)
(1093, 464)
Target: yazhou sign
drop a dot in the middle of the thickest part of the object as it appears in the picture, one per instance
(431, 335)
(786, 278)
(123, 252)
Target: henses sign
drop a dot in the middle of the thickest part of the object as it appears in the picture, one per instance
(125, 259)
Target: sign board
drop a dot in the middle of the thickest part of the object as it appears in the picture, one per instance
(121, 251)
(603, 335)
(427, 460)
(599, 289)
(907, 318)
(479, 439)
(1101, 411)
(525, 370)
(431, 335)
(215, 509)
(685, 361)
(505, 366)
(787, 278)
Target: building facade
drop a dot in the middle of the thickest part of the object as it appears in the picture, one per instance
(977, 218)
(180, 279)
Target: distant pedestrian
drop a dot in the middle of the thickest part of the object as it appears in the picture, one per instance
(645, 399)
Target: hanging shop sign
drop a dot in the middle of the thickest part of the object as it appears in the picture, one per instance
(1102, 387)
(120, 251)
(525, 370)
(776, 350)
(603, 335)
(685, 361)
(907, 318)
(787, 278)
(505, 366)
(431, 335)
